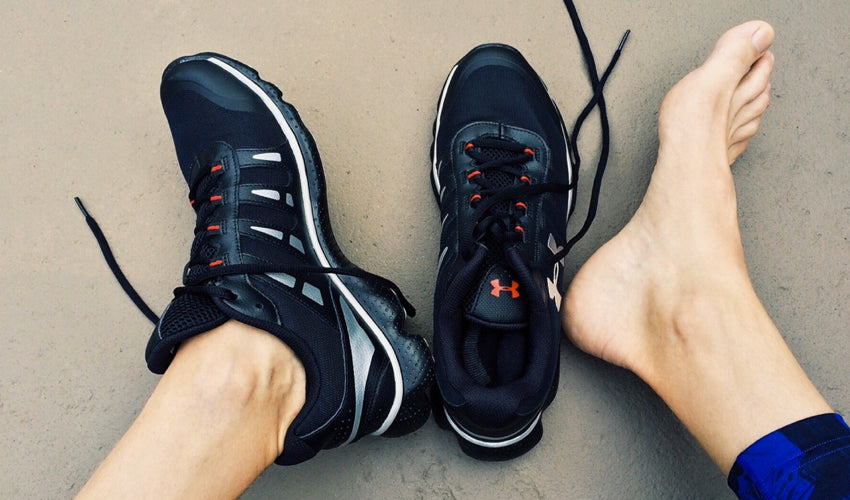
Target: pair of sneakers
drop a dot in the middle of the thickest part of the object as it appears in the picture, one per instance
(264, 254)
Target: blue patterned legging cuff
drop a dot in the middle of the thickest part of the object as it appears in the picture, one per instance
(807, 459)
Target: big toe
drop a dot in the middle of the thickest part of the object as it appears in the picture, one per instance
(740, 47)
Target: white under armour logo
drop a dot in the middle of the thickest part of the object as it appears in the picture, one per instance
(556, 272)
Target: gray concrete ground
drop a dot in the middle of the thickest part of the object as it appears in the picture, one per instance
(80, 115)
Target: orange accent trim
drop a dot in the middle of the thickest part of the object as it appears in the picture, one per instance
(528, 151)
(474, 197)
(519, 228)
(213, 228)
(216, 263)
(473, 174)
(216, 168)
(521, 205)
(498, 288)
(468, 145)
(192, 202)
(525, 179)
(215, 198)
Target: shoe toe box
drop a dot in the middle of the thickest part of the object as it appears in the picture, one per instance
(206, 100)
(494, 83)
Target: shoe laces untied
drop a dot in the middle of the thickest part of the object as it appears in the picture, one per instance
(498, 202)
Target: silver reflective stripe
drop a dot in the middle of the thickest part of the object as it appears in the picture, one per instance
(362, 352)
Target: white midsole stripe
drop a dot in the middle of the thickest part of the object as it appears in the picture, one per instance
(569, 161)
(437, 128)
(491, 444)
(314, 238)
(442, 256)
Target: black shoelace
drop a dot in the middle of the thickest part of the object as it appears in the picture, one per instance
(497, 203)
(204, 287)
(598, 100)
(498, 208)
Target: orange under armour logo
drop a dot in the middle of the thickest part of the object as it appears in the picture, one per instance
(498, 289)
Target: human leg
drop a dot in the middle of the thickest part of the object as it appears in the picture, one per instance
(669, 297)
(214, 422)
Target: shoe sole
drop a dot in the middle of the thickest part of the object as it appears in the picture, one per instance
(408, 354)
(511, 448)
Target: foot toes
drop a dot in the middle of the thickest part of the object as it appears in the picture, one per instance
(740, 47)
(735, 150)
(755, 82)
(746, 131)
(748, 113)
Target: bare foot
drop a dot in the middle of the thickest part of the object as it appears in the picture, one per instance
(686, 228)
(669, 297)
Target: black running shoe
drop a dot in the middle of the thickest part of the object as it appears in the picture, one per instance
(264, 254)
(504, 174)
(504, 184)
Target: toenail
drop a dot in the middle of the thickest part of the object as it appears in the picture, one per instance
(761, 39)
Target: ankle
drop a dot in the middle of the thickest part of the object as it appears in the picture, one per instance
(690, 326)
(236, 368)
(724, 369)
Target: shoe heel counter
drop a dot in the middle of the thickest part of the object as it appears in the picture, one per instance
(418, 366)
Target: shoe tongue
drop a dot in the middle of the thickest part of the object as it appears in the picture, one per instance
(498, 301)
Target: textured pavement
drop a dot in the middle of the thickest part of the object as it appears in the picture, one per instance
(80, 115)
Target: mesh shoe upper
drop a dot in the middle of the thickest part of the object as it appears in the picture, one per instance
(264, 254)
(502, 177)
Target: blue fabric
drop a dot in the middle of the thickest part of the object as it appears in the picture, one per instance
(809, 459)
